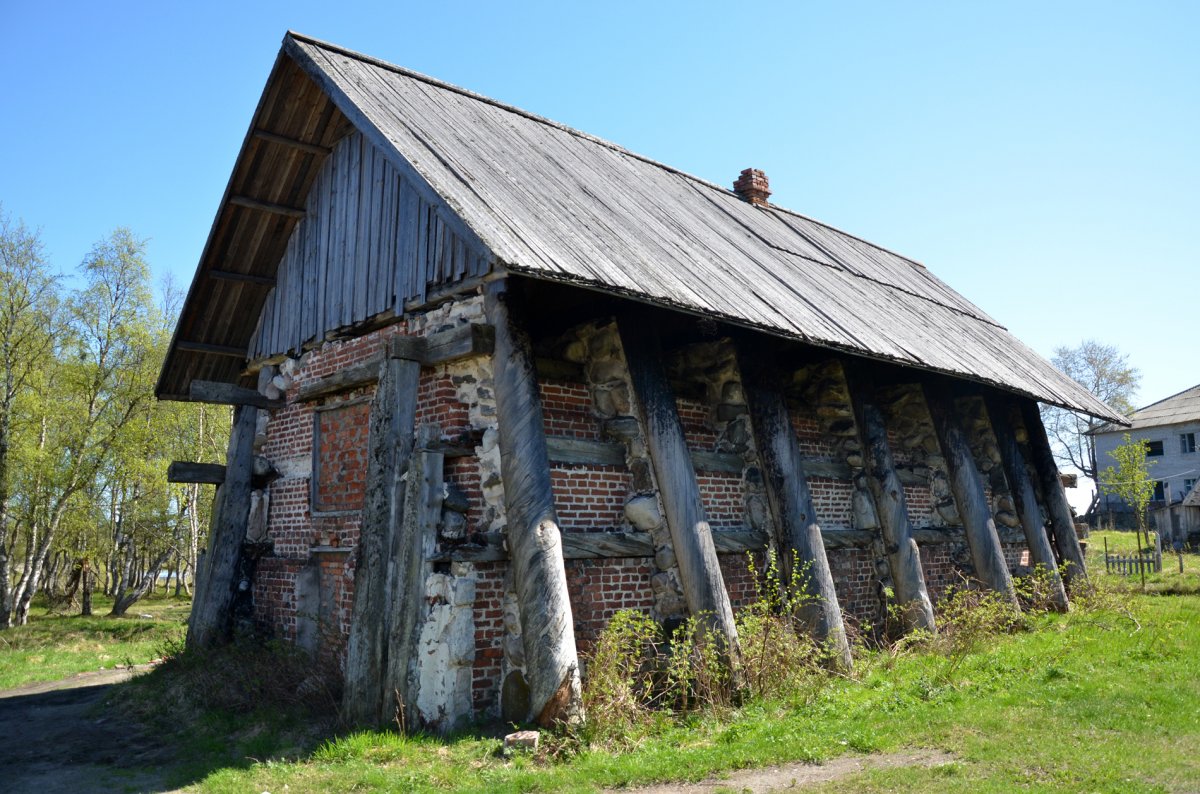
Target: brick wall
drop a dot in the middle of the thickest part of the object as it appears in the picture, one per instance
(340, 465)
(489, 634)
(601, 588)
(856, 584)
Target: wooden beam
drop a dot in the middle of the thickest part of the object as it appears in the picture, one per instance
(355, 377)
(365, 701)
(966, 484)
(801, 548)
(580, 544)
(209, 621)
(570, 450)
(247, 278)
(266, 206)
(443, 347)
(220, 393)
(304, 146)
(534, 540)
(1062, 520)
(205, 347)
(904, 559)
(691, 537)
(1024, 496)
(204, 473)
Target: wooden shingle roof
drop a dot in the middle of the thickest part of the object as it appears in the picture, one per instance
(556, 204)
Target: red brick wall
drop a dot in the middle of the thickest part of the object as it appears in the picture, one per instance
(739, 582)
(856, 584)
(489, 634)
(833, 501)
(341, 461)
(567, 410)
(601, 588)
(724, 497)
(589, 497)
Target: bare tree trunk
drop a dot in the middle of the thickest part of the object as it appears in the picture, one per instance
(128, 598)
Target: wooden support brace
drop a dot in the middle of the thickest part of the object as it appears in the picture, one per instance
(802, 551)
(1062, 520)
(969, 496)
(183, 471)
(304, 146)
(363, 374)
(904, 559)
(204, 347)
(245, 278)
(209, 621)
(1024, 496)
(219, 393)
(691, 537)
(534, 540)
(393, 414)
(266, 206)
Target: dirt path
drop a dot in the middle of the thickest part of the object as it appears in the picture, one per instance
(56, 738)
(791, 777)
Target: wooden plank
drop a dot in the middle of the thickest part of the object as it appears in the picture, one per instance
(365, 701)
(266, 206)
(1024, 496)
(343, 380)
(188, 472)
(801, 548)
(904, 559)
(1062, 520)
(207, 391)
(534, 540)
(691, 537)
(717, 461)
(210, 618)
(966, 483)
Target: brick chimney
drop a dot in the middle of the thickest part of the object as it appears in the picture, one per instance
(753, 186)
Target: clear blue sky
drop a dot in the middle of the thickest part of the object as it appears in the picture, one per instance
(1041, 157)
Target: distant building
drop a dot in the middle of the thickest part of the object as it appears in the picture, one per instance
(1171, 428)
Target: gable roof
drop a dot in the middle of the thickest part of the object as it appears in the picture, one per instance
(557, 204)
(1173, 410)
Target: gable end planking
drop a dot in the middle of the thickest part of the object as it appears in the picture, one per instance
(368, 243)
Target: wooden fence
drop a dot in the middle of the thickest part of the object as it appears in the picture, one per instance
(1130, 564)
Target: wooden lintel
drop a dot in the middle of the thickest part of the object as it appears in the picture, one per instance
(443, 347)
(304, 146)
(208, 391)
(582, 545)
(247, 278)
(355, 377)
(187, 472)
(215, 350)
(266, 206)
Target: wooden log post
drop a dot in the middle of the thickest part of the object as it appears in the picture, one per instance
(891, 507)
(691, 537)
(534, 540)
(408, 567)
(801, 545)
(967, 486)
(1062, 520)
(1025, 497)
(209, 621)
(393, 414)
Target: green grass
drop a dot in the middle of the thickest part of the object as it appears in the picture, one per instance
(54, 646)
(1170, 581)
(1099, 700)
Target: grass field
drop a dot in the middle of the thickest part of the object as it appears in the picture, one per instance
(56, 645)
(1106, 698)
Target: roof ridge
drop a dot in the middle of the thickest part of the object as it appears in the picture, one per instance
(1163, 400)
(576, 132)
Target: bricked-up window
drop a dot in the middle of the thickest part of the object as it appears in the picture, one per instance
(339, 477)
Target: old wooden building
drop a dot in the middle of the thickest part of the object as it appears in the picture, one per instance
(497, 379)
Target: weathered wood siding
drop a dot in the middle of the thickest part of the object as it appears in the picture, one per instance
(369, 242)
